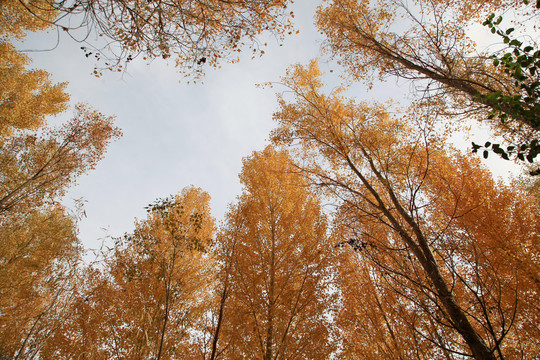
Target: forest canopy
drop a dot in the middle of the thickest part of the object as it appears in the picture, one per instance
(359, 232)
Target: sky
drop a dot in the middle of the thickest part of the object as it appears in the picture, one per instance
(177, 134)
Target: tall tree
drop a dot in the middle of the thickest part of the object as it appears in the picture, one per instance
(153, 289)
(38, 163)
(429, 42)
(278, 299)
(39, 252)
(39, 248)
(437, 231)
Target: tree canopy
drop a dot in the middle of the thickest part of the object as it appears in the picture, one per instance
(359, 232)
(279, 265)
(428, 42)
(428, 220)
(195, 34)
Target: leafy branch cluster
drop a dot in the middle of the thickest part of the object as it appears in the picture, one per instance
(522, 64)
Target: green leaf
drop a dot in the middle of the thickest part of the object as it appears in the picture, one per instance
(486, 154)
(508, 31)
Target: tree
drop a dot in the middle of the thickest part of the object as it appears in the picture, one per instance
(39, 248)
(39, 163)
(278, 299)
(437, 231)
(39, 252)
(38, 167)
(436, 53)
(152, 290)
(195, 33)
(26, 96)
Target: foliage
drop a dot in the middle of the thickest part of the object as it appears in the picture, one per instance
(39, 248)
(18, 17)
(427, 256)
(195, 33)
(522, 63)
(37, 167)
(427, 42)
(38, 254)
(26, 96)
(278, 299)
(39, 163)
(147, 300)
(437, 233)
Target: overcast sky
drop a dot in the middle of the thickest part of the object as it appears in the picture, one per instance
(175, 134)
